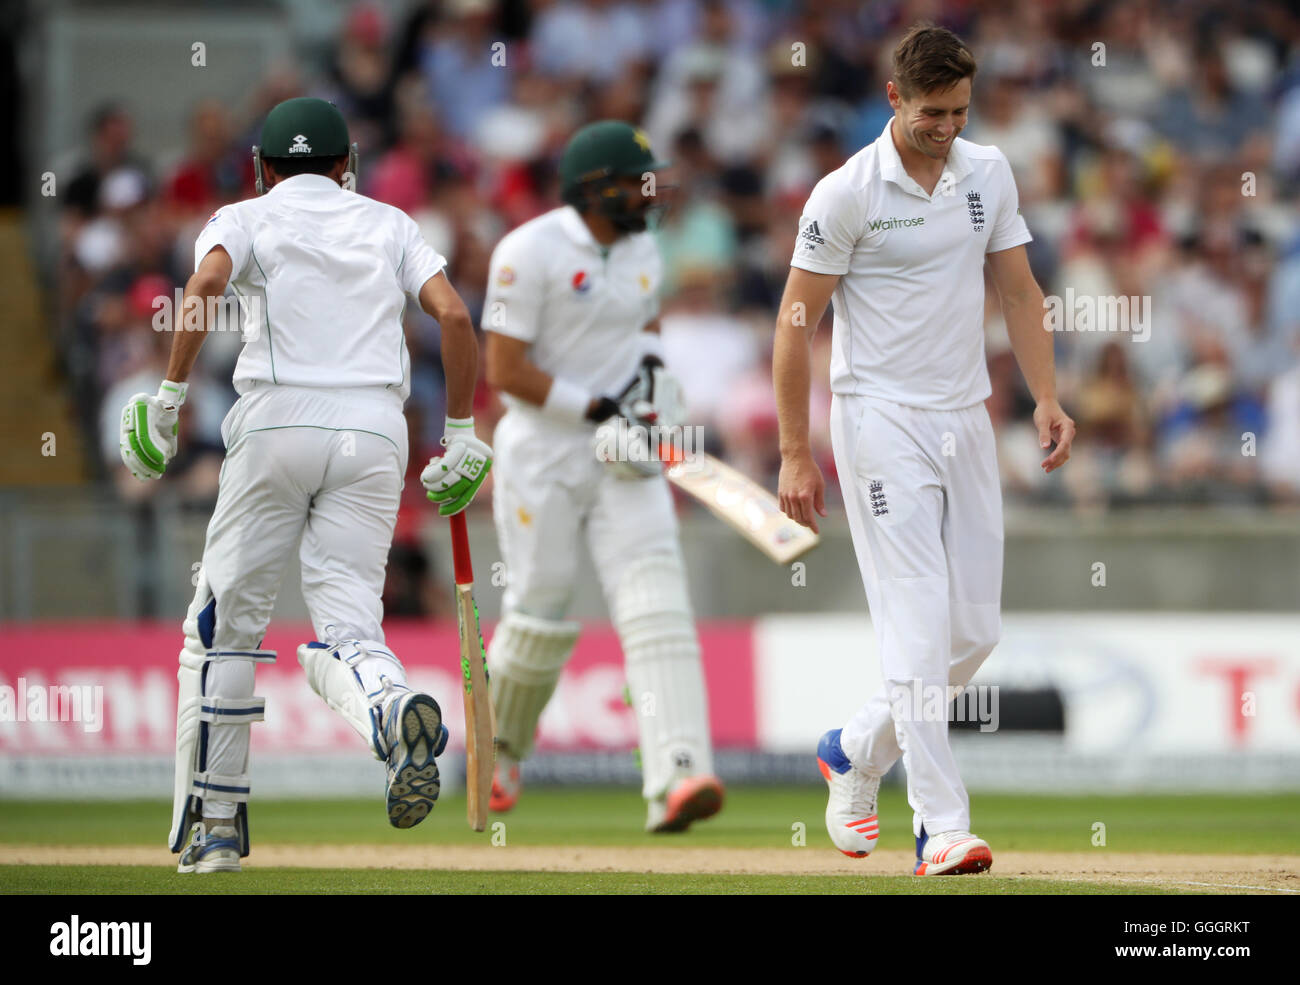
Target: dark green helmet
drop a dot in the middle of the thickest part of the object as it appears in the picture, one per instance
(599, 153)
(304, 127)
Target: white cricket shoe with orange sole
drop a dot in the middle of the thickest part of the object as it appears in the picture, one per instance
(851, 819)
(505, 784)
(692, 799)
(951, 853)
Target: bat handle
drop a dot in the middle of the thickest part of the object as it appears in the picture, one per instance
(460, 550)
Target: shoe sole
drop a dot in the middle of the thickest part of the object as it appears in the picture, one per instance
(974, 861)
(826, 775)
(701, 801)
(415, 785)
(215, 865)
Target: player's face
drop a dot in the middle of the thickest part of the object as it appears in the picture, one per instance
(931, 121)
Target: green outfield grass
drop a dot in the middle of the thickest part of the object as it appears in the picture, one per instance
(757, 817)
(113, 879)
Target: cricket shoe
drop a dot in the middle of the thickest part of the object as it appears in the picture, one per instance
(414, 734)
(692, 799)
(851, 819)
(505, 784)
(215, 850)
(952, 853)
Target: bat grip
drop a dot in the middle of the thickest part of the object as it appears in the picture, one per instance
(460, 550)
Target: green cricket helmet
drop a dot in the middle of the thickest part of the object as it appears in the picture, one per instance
(304, 127)
(598, 154)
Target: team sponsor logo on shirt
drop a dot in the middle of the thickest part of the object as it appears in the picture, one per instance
(506, 276)
(581, 282)
(300, 145)
(645, 283)
(810, 237)
(880, 225)
(213, 216)
(976, 209)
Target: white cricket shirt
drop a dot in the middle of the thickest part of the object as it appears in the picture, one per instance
(330, 271)
(909, 305)
(581, 305)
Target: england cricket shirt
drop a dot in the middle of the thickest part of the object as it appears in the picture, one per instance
(909, 305)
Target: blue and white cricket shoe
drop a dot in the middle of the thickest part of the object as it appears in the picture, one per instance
(216, 850)
(414, 734)
(851, 810)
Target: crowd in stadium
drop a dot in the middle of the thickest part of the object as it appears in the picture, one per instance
(1157, 154)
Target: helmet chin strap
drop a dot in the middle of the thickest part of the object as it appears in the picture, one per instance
(258, 183)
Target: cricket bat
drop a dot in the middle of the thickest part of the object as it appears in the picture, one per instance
(480, 726)
(742, 503)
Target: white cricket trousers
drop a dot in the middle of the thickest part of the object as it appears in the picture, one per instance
(324, 466)
(924, 505)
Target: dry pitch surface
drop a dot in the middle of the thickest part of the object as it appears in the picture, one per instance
(1215, 873)
(1154, 844)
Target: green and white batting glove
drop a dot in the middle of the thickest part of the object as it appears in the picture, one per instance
(452, 480)
(148, 433)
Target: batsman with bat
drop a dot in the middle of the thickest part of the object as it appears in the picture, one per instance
(573, 343)
(316, 447)
(899, 237)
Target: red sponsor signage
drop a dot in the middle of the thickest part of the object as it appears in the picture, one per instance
(123, 679)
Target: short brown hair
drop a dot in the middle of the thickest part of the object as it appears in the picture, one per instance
(930, 58)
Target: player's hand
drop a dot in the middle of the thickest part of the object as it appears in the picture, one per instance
(452, 480)
(148, 430)
(801, 490)
(1054, 425)
(654, 397)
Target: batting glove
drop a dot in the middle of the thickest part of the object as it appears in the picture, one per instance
(148, 430)
(452, 480)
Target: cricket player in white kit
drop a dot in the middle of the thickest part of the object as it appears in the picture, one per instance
(316, 448)
(898, 237)
(572, 343)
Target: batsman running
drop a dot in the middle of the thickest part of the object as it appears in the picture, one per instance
(573, 344)
(316, 448)
(899, 237)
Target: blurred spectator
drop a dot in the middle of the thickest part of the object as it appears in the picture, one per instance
(1159, 183)
(110, 151)
(214, 171)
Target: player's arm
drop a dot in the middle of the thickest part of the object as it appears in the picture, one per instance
(452, 479)
(1022, 307)
(208, 281)
(510, 370)
(148, 425)
(800, 488)
(459, 344)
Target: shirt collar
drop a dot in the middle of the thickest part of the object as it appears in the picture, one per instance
(571, 222)
(955, 168)
(306, 183)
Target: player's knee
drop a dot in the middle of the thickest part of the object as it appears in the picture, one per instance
(975, 632)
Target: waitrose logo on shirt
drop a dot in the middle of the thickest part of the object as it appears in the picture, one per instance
(877, 225)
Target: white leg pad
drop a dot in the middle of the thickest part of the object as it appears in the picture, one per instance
(652, 616)
(525, 658)
(214, 711)
(358, 679)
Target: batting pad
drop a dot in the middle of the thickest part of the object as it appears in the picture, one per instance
(214, 711)
(652, 616)
(358, 679)
(525, 658)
